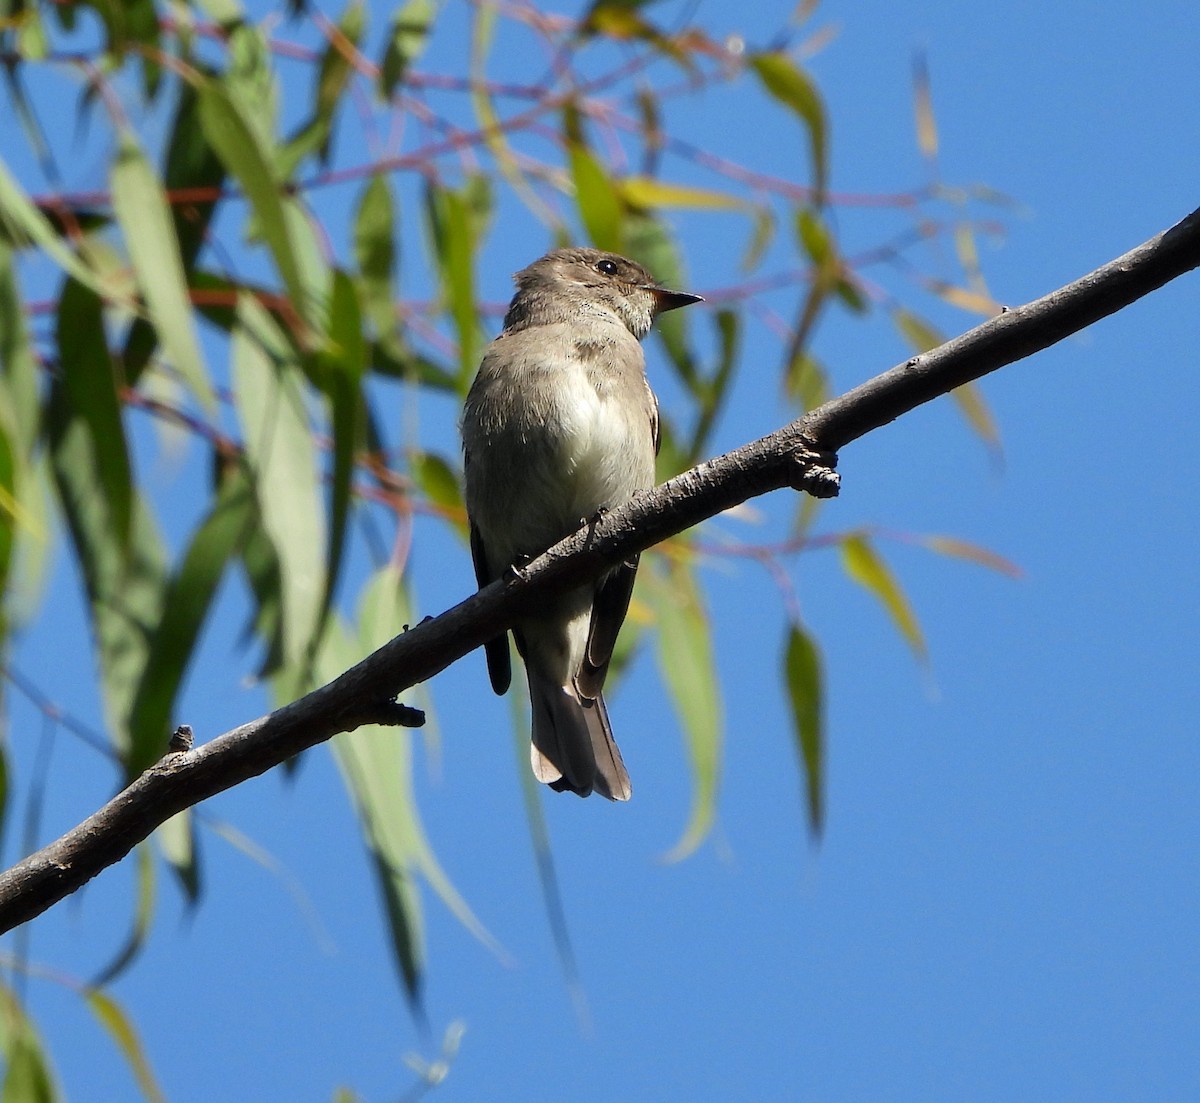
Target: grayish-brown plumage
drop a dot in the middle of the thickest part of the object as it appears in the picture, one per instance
(561, 423)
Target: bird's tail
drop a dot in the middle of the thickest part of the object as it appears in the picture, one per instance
(573, 747)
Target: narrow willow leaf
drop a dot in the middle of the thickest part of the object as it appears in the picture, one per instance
(452, 221)
(179, 844)
(124, 580)
(685, 657)
(405, 42)
(760, 239)
(141, 208)
(805, 687)
(269, 398)
(344, 361)
(972, 553)
(91, 385)
(27, 1074)
(237, 144)
(597, 199)
(973, 406)
(919, 333)
(18, 366)
(189, 596)
(143, 915)
(375, 230)
(927, 136)
(439, 482)
(335, 72)
(23, 225)
(376, 764)
(648, 241)
(648, 192)
(807, 382)
(192, 164)
(865, 566)
(9, 510)
(112, 1017)
(793, 88)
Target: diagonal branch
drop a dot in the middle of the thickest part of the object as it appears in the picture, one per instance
(794, 456)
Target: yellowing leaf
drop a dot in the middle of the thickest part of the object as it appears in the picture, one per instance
(112, 1017)
(927, 138)
(973, 553)
(969, 399)
(866, 567)
(649, 192)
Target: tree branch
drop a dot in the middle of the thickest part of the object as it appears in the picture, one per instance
(799, 455)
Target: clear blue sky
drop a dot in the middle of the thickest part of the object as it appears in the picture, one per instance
(1005, 902)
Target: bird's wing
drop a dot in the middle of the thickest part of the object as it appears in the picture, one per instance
(608, 614)
(499, 662)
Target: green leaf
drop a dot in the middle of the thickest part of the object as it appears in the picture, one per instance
(648, 192)
(802, 674)
(27, 1074)
(180, 847)
(142, 917)
(453, 221)
(439, 482)
(793, 88)
(124, 580)
(344, 361)
(865, 566)
(191, 164)
(238, 145)
(23, 225)
(112, 1017)
(685, 659)
(919, 333)
(596, 196)
(141, 208)
(648, 241)
(335, 72)
(405, 42)
(269, 398)
(376, 764)
(91, 385)
(375, 229)
(188, 597)
(760, 239)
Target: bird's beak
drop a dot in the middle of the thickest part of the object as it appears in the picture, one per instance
(671, 300)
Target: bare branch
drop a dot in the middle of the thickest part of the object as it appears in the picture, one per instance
(798, 455)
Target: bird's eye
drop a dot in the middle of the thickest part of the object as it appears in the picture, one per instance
(607, 267)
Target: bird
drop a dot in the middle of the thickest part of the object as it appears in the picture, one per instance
(559, 425)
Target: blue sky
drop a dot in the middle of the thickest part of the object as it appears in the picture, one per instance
(1004, 904)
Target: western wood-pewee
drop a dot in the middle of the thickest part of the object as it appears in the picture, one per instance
(560, 424)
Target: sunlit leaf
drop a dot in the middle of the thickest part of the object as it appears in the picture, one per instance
(972, 553)
(596, 195)
(760, 239)
(784, 80)
(648, 192)
(927, 137)
(969, 399)
(238, 145)
(376, 764)
(112, 1017)
(865, 566)
(270, 401)
(454, 221)
(685, 659)
(648, 241)
(439, 482)
(807, 382)
(27, 1074)
(919, 333)
(335, 71)
(141, 208)
(23, 225)
(806, 694)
